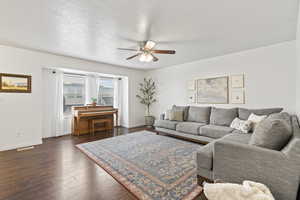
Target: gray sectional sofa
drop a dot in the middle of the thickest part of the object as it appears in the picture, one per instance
(226, 153)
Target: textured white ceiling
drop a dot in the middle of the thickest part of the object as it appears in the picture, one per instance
(196, 29)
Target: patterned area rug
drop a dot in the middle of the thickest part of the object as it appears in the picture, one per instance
(150, 166)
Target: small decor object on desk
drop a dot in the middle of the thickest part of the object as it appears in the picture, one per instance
(147, 90)
(94, 101)
(15, 83)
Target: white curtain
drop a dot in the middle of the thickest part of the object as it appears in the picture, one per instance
(53, 118)
(118, 96)
(91, 88)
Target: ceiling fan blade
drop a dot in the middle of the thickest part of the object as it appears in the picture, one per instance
(155, 59)
(149, 44)
(163, 51)
(126, 49)
(132, 56)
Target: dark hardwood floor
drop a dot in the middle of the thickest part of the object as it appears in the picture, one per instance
(56, 170)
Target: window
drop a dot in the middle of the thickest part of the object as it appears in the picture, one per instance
(74, 92)
(106, 92)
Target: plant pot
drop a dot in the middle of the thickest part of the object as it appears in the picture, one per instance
(149, 120)
(94, 104)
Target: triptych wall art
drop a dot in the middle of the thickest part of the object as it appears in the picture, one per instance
(217, 90)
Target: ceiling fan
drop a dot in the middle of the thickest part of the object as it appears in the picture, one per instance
(146, 52)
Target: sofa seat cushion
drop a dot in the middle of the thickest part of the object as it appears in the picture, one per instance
(235, 131)
(214, 131)
(222, 116)
(199, 114)
(189, 127)
(202, 140)
(166, 124)
(205, 156)
(238, 137)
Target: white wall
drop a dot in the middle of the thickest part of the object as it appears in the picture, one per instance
(21, 114)
(270, 73)
(270, 77)
(298, 66)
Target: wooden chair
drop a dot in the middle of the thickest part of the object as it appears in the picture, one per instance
(108, 124)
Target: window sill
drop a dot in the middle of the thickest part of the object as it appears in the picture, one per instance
(67, 116)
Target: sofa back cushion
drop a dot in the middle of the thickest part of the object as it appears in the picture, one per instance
(199, 114)
(273, 132)
(189, 127)
(184, 109)
(222, 116)
(292, 149)
(168, 114)
(245, 113)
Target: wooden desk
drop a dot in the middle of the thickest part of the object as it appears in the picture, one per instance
(83, 114)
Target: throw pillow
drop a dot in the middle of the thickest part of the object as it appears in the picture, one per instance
(168, 114)
(271, 133)
(184, 109)
(176, 116)
(256, 119)
(242, 125)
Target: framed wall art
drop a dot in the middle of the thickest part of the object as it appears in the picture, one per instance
(15, 83)
(192, 97)
(191, 85)
(212, 90)
(237, 81)
(238, 96)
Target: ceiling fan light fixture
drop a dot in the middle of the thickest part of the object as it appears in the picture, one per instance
(146, 57)
(150, 44)
(146, 52)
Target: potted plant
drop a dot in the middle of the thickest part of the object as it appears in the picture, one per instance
(94, 101)
(146, 97)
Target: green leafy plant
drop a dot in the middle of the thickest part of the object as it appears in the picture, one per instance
(147, 93)
(94, 100)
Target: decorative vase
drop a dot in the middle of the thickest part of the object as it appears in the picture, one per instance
(94, 104)
(149, 121)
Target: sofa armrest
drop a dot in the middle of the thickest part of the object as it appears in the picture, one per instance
(235, 162)
(162, 116)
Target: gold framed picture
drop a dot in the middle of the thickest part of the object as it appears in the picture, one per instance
(15, 83)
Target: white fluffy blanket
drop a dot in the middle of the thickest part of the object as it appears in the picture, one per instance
(247, 191)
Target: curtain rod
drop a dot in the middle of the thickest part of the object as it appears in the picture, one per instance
(78, 74)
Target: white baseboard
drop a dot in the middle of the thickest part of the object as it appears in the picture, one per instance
(136, 125)
(20, 145)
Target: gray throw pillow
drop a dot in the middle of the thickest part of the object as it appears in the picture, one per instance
(245, 113)
(184, 109)
(273, 132)
(199, 114)
(222, 116)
